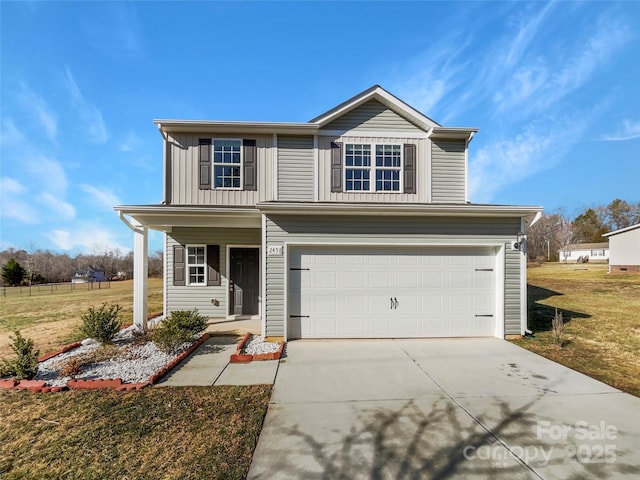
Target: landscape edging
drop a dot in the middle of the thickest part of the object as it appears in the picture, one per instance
(38, 386)
(240, 357)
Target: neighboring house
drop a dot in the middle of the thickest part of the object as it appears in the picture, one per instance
(625, 250)
(88, 275)
(583, 252)
(354, 224)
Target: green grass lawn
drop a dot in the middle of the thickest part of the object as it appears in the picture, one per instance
(156, 433)
(602, 321)
(51, 319)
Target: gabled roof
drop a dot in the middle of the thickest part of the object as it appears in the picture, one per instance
(376, 92)
(622, 230)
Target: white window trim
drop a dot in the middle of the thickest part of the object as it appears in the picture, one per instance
(188, 266)
(213, 164)
(372, 168)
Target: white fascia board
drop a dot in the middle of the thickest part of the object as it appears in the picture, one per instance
(211, 127)
(453, 133)
(164, 218)
(622, 230)
(325, 208)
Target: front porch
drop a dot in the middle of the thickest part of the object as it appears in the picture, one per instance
(213, 261)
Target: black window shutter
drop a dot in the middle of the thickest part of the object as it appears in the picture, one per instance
(336, 167)
(178, 266)
(213, 265)
(250, 166)
(204, 163)
(409, 168)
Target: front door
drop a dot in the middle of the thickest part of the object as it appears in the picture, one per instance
(244, 281)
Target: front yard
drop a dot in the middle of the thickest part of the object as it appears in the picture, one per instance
(602, 321)
(155, 433)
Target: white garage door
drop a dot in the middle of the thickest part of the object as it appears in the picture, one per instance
(360, 292)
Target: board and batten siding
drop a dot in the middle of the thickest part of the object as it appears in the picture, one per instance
(448, 171)
(324, 172)
(295, 168)
(373, 116)
(201, 297)
(390, 231)
(182, 173)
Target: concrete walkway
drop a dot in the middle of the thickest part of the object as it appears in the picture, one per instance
(450, 408)
(209, 364)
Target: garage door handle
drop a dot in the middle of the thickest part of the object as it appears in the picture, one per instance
(297, 269)
(484, 269)
(484, 315)
(298, 316)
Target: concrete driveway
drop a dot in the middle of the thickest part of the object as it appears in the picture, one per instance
(450, 408)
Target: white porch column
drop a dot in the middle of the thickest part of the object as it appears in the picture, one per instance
(140, 274)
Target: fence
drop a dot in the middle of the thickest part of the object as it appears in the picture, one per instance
(52, 288)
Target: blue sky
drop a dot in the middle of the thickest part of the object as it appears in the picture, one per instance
(553, 88)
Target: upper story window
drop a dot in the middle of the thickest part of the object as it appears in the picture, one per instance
(196, 264)
(227, 163)
(385, 169)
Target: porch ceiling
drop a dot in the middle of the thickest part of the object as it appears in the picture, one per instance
(166, 217)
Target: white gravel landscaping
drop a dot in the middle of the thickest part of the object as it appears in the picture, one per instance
(134, 363)
(256, 345)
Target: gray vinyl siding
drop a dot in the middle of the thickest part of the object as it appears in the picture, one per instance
(512, 325)
(389, 231)
(182, 173)
(201, 297)
(448, 167)
(295, 169)
(324, 171)
(374, 116)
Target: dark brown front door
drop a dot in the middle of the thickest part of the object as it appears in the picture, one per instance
(244, 281)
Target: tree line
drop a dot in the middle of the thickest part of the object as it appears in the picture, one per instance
(24, 267)
(555, 231)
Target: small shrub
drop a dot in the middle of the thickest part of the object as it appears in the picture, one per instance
(178, 329)
(557, 329)
(25, 365)
(71, 368)
(102, 324)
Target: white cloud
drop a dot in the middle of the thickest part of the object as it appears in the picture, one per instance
(9, 185)
(628, 131)
(9, 133)
(86, 238)
(48, 173)
(13, 205)
(508, 161)
(57, 206)
(37, 106)
(102, 197)
(89, 114)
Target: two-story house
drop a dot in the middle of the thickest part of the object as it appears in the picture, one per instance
(354, 224)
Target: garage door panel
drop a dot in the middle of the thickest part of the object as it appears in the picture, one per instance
(391, 292)
(408, 280)
(379, 279)
(432, 280)
(380, 327)
(354, 279)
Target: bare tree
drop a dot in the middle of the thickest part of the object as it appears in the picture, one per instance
(565, 237)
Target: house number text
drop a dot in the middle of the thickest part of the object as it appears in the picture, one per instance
(274, 250)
